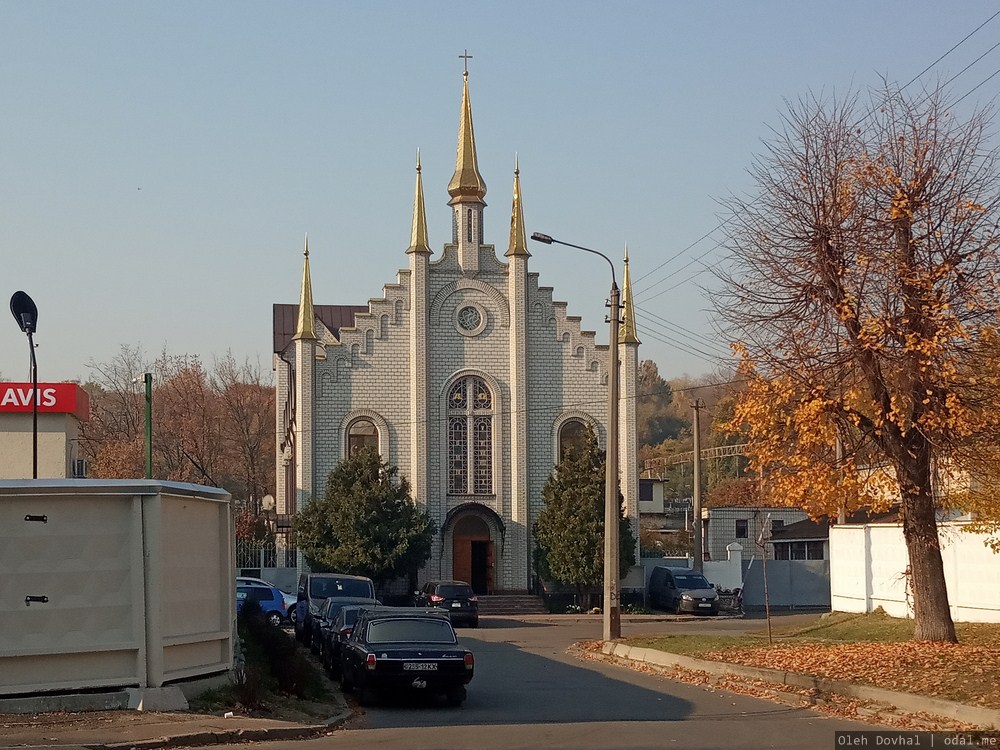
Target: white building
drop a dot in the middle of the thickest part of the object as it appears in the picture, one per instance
(465, 373)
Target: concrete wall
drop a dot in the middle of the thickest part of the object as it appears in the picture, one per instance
(113, 583)
(868, 570)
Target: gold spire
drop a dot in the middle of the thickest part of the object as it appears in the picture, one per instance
(627, 332)
(418, 235)
(518, 241)
(306, 328)
(466, 185)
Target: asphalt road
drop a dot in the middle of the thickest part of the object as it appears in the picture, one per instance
(529, 693)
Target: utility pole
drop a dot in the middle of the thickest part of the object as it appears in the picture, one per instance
(699, 555)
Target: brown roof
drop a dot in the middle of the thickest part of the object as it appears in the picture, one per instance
(334, 317)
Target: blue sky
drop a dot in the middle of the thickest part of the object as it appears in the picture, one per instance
(161, 162)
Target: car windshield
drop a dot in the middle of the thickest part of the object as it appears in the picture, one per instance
(411, 629)
(454, 592)
(692, 581)
(323, 588)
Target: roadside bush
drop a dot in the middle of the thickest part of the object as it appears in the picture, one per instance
(281, 663)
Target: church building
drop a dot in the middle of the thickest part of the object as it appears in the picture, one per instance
(465, 373)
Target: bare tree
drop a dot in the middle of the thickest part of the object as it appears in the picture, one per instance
(863, 279)
(214, 428)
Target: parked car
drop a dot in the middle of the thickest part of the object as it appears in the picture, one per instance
(402, 649)
(289, 598)
(333, 635)
(313, 588)
(320, 623)
(270, 599)
(682, 590)
(456, 597)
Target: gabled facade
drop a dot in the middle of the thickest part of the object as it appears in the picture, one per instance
(465, 373)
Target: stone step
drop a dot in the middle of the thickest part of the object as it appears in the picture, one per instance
(511, 604)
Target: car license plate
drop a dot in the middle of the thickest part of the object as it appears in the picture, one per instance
(420, 666)
(456, 604)
(704, 604)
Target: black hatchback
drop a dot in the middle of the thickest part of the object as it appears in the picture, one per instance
(455, 597)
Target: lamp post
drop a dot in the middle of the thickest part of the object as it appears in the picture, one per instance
(612, 603)
(147, 378)
(26, 314)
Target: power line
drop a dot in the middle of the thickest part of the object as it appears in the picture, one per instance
(679, 253)
(906, 85)
(988, 78)
(957, 45)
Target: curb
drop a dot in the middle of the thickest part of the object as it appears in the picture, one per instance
(983, 717)
(201, 739)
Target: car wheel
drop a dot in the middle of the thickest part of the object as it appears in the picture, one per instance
(456, 696)
(346, 683)
(474, 623)
(275, 618)
(677, 607)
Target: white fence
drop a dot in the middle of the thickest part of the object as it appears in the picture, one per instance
(113, 583)
(868, 570)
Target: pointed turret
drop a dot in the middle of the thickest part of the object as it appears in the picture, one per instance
(306, 328)
(418, 234)
(466, 185)
(627, 332)
(518, 240)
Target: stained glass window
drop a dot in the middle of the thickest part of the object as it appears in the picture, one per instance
(470, 438)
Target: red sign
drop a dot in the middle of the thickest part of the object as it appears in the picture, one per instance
(60, 398)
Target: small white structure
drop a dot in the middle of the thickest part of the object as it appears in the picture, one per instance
(113, 583)
(62, 408)
(868, 570)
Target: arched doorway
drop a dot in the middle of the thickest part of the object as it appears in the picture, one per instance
(472, 553)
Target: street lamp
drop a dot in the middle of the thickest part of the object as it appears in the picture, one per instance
(612, 604)
(26, 314)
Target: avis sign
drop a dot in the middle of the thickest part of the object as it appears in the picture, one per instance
(59, 398)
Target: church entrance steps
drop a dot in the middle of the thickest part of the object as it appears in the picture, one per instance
(511, 604)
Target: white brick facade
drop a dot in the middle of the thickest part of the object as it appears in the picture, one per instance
(396, 365)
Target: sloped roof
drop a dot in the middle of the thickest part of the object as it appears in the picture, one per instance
(334, 317)
(820, 528)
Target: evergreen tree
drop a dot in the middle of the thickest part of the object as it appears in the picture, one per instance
(367, 524)
(569, 532)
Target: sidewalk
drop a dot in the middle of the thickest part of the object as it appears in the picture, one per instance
(142, 729)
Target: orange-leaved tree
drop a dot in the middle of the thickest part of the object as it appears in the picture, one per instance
(862, 286)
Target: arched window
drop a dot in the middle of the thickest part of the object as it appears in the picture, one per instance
(572, 437)
(362, 434)
(470, 438)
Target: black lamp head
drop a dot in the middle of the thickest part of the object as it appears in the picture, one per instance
(25, 312)
(539, 237)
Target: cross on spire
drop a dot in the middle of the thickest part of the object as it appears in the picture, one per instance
(466, 57)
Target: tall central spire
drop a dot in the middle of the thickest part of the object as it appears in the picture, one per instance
(467, 185)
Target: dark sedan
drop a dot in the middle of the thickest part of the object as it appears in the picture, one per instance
(320, 622)
(456, 597)
(333, 635)
(400, 649)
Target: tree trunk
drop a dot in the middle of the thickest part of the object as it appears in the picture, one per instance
(931, 614)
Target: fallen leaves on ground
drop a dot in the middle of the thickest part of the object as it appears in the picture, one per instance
(950, 671)
(831, 704)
